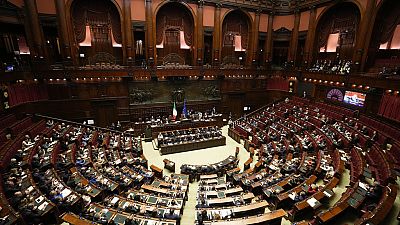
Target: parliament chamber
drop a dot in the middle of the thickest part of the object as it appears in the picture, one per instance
(199, 112)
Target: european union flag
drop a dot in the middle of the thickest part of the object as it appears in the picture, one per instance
(184, 110)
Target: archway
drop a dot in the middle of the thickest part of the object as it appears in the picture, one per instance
(97, 31)
(236, 28)
(336, 32)
(174, 35)
(385, 40)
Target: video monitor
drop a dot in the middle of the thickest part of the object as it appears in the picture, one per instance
(354, 98)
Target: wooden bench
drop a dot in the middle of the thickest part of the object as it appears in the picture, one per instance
(251, 150)
(157, 171)
(247, 163)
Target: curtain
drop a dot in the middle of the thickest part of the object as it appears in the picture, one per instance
(171, 17)
(278, 84)
(389, 26)
(182, 39)
(333, 41)
(19, 94)
(102, 17)
(238, 44)
(390, 107)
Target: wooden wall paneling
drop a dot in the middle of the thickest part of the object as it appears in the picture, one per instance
(234, 103)
(104, 111)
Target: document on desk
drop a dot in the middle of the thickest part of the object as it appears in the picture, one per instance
(43, 206)
(30, 189)
(66, 192)
(364, 186)
(126, 204)
(39, 199)
(292, 195)
(328, 193)
(313, 202)
(114, 200)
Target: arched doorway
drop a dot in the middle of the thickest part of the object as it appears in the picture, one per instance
(235, 39)
(174, 35)
(336, 32)
(97, 31)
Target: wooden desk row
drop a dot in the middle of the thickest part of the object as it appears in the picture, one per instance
(228, 200)
(194, 171)
(236, 211)
(384, 206)
(234, 134)
(113, 216)
(228, 192)
(193, 145)
(155, 200)
(273, 218)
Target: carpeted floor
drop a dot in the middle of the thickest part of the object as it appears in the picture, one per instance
(216, 154)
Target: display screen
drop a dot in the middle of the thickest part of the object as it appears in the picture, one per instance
(354, 98)
(9, 68)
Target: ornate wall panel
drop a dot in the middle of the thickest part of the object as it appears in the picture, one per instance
(344, 19)
(172, 19)
(104, 22)
(168, 91)
(236, 24)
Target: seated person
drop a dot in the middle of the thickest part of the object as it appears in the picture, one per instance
(27, 142)
(300, 196)
(312, 189)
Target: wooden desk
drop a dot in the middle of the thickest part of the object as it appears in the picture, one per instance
(384, 206)
(227, 200)
(193, 145)
(234, 135)
(250, 207)
(158, 172)
(215, 120)
(232, 172)
(237, 211)
(169, 165)
(251, 150)
(247, 163)
(156, 190)
(284, 196)
(232, 191)
(273, 217)
(72, 218)
(210, 176)
(318, 195)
